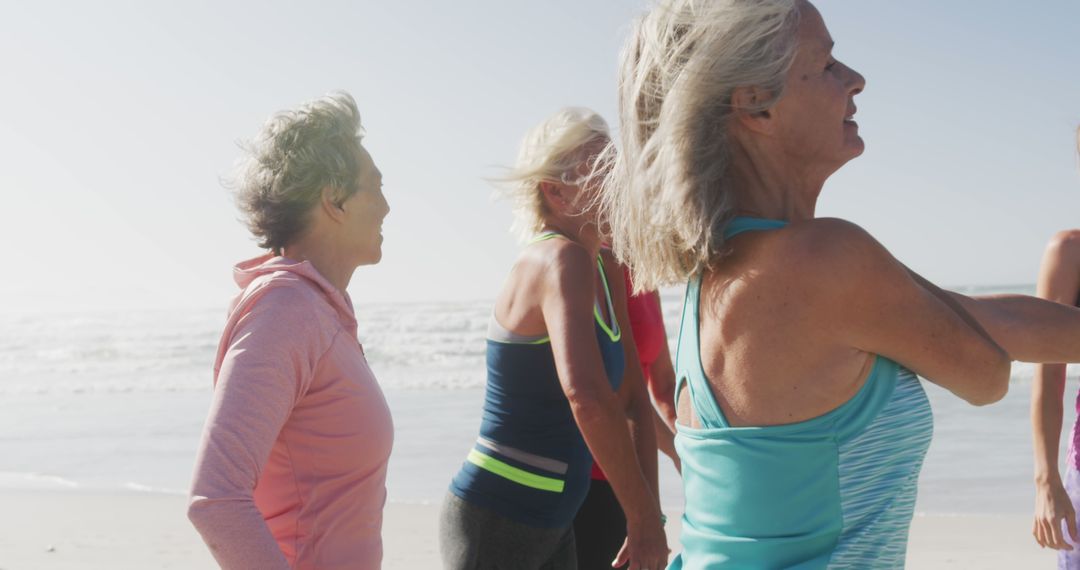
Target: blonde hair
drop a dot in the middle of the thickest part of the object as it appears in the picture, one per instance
(667, 197)
(297, 153)
(550, 151)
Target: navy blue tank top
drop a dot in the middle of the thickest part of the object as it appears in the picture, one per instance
(530, 463)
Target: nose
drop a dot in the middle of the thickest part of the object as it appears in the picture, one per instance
(858, 82)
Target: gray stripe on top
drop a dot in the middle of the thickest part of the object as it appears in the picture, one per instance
(498, 333)
(525, 457)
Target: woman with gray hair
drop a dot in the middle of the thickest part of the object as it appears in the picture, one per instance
(802, 426)
(563, 379)
(291, 469)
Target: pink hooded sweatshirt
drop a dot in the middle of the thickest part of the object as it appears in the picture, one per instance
(291, 471)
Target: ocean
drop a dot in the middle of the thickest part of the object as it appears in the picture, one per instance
(104, 400)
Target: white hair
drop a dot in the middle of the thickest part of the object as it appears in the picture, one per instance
(667, 197)
(550, 151)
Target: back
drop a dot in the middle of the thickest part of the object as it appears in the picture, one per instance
(761, 343)
(833, 490)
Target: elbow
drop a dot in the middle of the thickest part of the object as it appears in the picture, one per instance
(587, 406)
(205, 514)
(664, 396)
(989, 396)
(993, 386)
(196, 512)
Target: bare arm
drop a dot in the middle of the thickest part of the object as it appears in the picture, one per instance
(1059, 281)
(876, 306)
(567, 308)
(1028, 328)
(632, 393)
(661, 383)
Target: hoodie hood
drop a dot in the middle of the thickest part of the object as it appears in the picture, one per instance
(267, 268)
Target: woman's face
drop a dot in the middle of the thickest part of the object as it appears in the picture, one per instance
(814, 116)
(364, 214)
(583, 184)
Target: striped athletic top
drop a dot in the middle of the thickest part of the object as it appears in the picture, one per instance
(835, 491)
(530, 463)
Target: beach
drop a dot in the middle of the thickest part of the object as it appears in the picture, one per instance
(73, 530)
(100, 416)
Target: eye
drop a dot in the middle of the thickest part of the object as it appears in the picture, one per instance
(829, 66)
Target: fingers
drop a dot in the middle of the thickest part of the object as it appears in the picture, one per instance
(1054, 537)
(623, 555)
(1070, 519)
(1050, 532)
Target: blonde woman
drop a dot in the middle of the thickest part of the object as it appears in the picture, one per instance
(802, 425)
(291, 469)
(563, 381)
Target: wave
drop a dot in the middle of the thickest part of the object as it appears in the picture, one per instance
(31, 480)
(418, 346)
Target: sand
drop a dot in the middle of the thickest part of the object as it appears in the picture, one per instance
(78, 529)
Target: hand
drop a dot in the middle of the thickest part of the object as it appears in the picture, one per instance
(645, 547)
(1052, 504)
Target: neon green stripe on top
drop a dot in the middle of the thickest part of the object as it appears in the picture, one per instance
(515, 474)
(615, 334)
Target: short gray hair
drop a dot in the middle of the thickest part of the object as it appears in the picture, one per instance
(667, 197)
(299, 152)
(549, 152)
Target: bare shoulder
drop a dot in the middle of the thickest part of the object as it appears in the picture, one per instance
(830, 248)
(1065, 245)
(561, 260)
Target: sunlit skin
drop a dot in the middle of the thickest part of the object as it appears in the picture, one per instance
(785, 153)
(1059, 281)
(342, 235)
(824, 290)
(551, 291)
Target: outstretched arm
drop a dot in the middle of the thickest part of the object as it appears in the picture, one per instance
(876, 305)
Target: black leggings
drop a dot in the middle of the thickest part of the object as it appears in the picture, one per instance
(474, 538)
(599, 528)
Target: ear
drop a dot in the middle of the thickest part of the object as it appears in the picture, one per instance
(330, 204)
(554, 194)
(746, 102)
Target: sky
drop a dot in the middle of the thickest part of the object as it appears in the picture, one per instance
(119, 121)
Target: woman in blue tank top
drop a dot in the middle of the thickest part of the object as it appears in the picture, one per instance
(801, 423)
(559, 389)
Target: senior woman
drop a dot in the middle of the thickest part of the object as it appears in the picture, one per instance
(802, 426)
(600, 525)
(562, 380)
(291, 469)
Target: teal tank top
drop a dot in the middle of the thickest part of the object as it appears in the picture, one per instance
(835, 491)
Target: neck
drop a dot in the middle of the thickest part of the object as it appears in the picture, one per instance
(327, 260)
(577, 230)
(766, 187)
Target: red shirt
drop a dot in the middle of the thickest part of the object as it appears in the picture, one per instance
(647, 323)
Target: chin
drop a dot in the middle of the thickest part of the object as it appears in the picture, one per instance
(856, 147)
(371, 258)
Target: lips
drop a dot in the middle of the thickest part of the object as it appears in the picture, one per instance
(850, 117)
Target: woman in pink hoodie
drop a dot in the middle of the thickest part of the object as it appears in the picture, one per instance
(291, 469)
